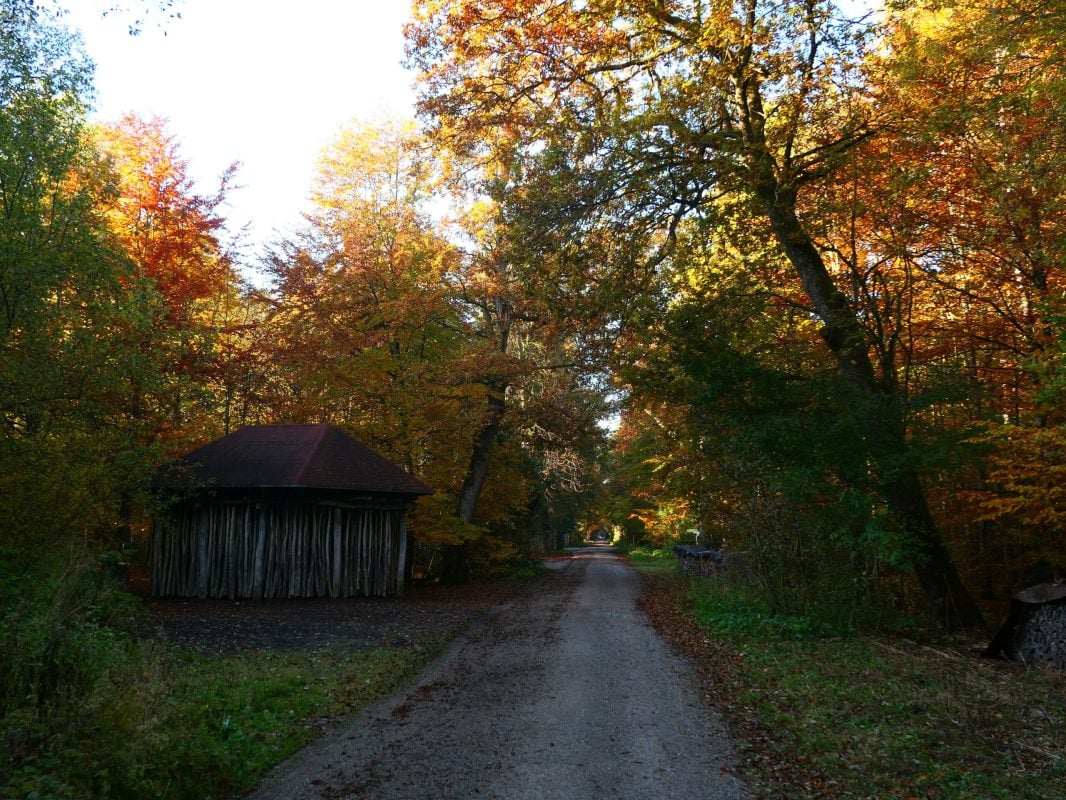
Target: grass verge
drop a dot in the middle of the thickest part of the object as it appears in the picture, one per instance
(181, 725)
(851, 715)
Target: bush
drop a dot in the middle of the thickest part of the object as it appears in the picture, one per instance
(60, 637)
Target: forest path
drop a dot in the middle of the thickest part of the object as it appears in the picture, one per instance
(563, 692)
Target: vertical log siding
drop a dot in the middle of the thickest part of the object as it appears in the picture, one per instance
(259, 550)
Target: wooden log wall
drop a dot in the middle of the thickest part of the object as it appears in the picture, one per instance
(252, 550)
(710, 563)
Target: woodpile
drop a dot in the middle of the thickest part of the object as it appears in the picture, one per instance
(254, 550)
(708, 563)
(1035, 630)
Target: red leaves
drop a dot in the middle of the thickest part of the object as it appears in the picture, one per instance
(160, 221)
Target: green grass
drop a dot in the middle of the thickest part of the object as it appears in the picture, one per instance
(889, 726)
(183, 725)
(652, 560)
(889, 716)
(240, 715)
(886, 715)
(92, 706)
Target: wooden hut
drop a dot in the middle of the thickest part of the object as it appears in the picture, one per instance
(282, 511)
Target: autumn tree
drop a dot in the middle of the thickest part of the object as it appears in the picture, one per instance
(363, 330)
(974, 197)
(410, 331)
(168, 229)
(642, 113)
(526, 346)
(73, 309)
(173, 235)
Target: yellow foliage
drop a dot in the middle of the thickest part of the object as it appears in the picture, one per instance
(1027, 473)
(494, 555)
(434, 522)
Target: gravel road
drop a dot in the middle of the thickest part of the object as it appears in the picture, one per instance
(563, 692)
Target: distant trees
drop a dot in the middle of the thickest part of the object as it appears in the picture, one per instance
(407, 331)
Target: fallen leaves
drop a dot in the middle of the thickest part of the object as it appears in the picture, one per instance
(767, 764)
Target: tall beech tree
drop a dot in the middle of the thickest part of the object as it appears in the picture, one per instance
(171, 231)
(172, 235)
(496, 309)
(416, 334)
(488, 298)
(640, 113)
(524, 346)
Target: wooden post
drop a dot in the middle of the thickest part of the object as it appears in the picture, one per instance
(401, 558)
(338, 520)
(259, 567)
(204, 552)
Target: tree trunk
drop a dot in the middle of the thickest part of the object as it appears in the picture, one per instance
(478, 468)
(455, 559)
(950, 605)
(455, 566)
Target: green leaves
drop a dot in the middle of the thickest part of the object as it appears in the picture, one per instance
(71, 312)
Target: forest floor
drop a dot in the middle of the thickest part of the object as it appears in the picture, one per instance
(562, 691)
(424, 613)
(907, 715)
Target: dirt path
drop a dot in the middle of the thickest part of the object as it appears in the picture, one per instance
(564, 692)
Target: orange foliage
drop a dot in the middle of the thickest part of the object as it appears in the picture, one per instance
(171, 235)
(168, 230)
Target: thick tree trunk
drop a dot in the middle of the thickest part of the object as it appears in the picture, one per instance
(478, 468)
(455, 559)
(455, 566)
(950, 605)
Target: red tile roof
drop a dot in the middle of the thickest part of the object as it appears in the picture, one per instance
(298, 456)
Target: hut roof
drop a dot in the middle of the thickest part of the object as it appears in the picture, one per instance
(291, 456)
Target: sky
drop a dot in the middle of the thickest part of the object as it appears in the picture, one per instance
(261, 82)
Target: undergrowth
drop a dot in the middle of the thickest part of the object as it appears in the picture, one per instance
(886, 713)
(90, 707)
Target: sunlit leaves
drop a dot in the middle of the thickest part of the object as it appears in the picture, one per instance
(363, 329)
(973, 201)
(73, 310)
(167, 228)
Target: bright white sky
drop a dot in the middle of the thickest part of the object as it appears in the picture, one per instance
(263, 82)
